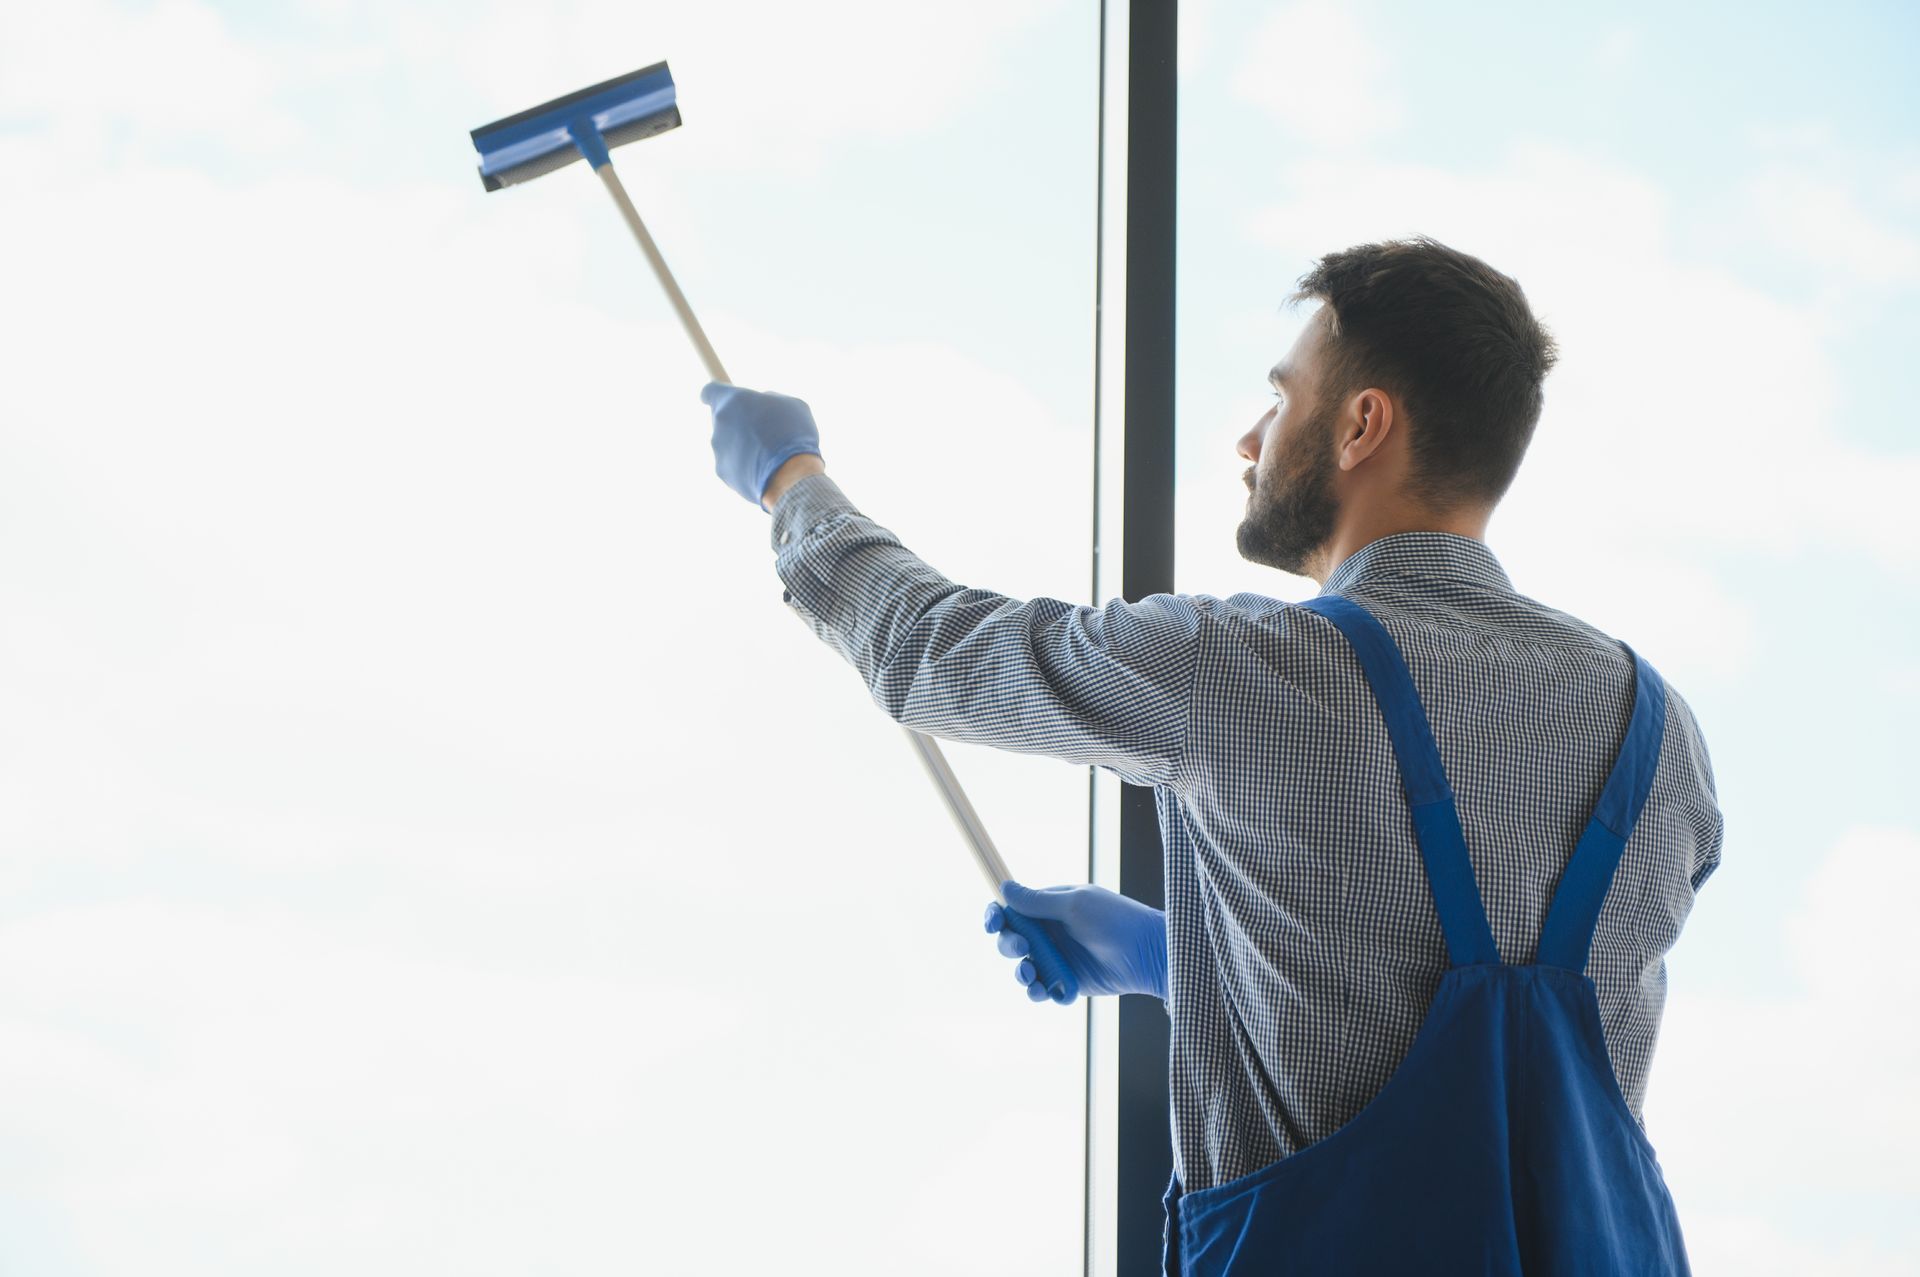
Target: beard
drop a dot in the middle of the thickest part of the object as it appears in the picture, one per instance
(1292, 519)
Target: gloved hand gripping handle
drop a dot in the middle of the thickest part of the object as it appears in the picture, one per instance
(1048, 964)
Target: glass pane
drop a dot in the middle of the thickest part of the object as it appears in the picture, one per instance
(1715, 210)
(431, 845)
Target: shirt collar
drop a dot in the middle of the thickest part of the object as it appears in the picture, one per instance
(1421, 554)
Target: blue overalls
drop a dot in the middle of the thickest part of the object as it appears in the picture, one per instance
(1502, 1144)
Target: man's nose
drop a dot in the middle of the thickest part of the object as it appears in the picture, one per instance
(1249, 447)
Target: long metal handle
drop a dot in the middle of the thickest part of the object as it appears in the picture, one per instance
(985, 854)
(674, 295)
(1052, 972)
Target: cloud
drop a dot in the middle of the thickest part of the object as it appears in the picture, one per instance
(1198, 21)
(1825, 224)
(769, 88)
(1750, 1092)
(1315, 69)
(1904, 187)
(766, 89)
(1800, 137)
(1616, 51)
(199, 1089)
(1751, 1244)
(167, 70)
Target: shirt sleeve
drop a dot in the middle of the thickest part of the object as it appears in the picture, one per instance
(1110, 686)
(1704, 806)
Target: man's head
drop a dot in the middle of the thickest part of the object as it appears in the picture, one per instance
(1407, 403)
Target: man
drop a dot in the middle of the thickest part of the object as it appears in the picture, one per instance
(1421, 827)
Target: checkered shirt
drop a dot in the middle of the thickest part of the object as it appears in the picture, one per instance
(1303, 946)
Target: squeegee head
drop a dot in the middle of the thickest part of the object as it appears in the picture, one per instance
(580, 125)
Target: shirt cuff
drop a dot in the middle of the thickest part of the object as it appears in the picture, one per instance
(806, 507)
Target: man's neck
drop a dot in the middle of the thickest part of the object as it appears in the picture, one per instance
(1350, 539)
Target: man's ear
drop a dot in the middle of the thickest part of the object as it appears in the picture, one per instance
(1368, 421)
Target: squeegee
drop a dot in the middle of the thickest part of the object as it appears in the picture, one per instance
(587, 125)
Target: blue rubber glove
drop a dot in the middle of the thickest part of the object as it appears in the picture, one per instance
(755, 433)
(1114, 943)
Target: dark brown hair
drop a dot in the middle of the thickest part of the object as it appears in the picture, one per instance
(1453, 340)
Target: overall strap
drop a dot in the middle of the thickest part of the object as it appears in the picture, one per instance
(1436, 824)
(1571, 918)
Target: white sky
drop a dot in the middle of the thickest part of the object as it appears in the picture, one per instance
(429, 845)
